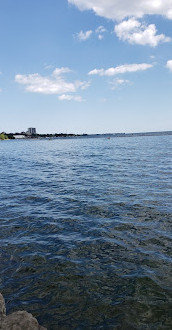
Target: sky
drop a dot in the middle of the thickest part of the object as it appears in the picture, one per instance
(86, 66)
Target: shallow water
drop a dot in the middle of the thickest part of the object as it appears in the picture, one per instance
(86, 231)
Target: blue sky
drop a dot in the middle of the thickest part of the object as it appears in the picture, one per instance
(86, 66)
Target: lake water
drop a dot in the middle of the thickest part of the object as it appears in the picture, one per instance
(85, 231)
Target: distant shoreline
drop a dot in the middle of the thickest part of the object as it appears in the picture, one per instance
(11, 136)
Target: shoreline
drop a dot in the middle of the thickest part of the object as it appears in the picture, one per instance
(18, 136)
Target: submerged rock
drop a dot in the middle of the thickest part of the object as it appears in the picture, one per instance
(18, 320)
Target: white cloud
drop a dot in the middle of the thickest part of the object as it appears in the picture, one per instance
(169, 65)
(48, 66)
(53, 84)
(60, 71)
(100, 36)
(119, 83)
(137, 33)
(100, 31)
(120, 9)
(82, 36)
(121, 69)
(67, 97)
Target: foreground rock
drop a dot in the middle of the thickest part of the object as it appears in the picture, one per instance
(18, 320)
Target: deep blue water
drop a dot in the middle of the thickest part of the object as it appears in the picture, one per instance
(85, 231)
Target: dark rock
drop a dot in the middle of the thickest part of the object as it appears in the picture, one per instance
(18, 320)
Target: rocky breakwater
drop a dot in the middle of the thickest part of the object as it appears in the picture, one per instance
(18, 320)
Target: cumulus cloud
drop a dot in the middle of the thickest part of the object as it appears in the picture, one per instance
(82, 36)
(137, 33)
(120, 9)
(53, 84)
(121, 69)
(68, 97)
(169, 65)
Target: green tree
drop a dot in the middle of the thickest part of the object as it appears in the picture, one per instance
(3, 136)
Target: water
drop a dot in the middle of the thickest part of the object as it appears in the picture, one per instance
(85, 231)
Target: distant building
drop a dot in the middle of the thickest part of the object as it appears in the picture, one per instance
(31, 131)
(19, 136)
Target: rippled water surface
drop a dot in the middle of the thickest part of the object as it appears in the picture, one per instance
(85, 231)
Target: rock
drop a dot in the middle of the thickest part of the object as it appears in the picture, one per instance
(2, 308)
(18, 320)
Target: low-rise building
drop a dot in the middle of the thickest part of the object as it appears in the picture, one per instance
(19, 136)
